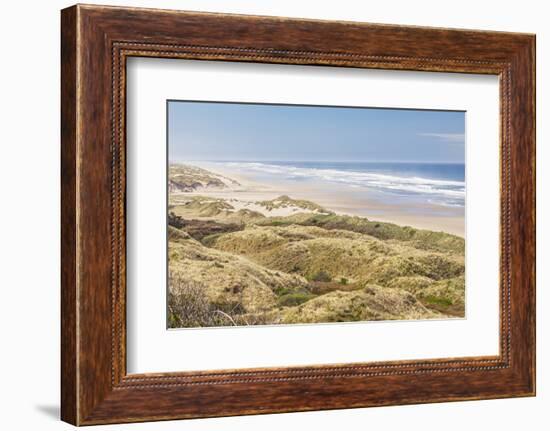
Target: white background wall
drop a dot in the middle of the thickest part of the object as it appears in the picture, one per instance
(29, 215)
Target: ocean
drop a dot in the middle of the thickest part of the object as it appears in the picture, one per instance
(434, 183)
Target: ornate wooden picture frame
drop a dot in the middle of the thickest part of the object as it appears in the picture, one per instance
(96, 41)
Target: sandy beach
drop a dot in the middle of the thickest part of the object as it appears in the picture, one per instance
(341, 200)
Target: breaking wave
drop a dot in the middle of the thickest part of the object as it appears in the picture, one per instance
(440, 191)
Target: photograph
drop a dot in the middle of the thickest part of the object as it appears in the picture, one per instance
(300, 214)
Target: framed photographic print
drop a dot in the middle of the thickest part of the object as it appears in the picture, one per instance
(267, 215)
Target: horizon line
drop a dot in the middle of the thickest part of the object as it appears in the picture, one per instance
(323, 161)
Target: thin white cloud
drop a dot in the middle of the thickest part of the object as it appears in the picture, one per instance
(447, 137)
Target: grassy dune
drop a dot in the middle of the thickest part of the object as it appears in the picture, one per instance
(184, 178)
(235, 266)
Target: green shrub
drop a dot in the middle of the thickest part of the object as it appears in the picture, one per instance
(280, 291)
(293, 299)
(277, 223)
(438, 300)
(343, 281)
(321, 276)
(175, 220)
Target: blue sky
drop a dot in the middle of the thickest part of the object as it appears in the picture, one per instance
(262, 132)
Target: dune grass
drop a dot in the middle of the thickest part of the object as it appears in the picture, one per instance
(230, 267)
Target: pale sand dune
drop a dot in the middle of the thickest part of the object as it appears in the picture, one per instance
(240, 204)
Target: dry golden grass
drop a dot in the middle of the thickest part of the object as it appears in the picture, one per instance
(371, 303)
